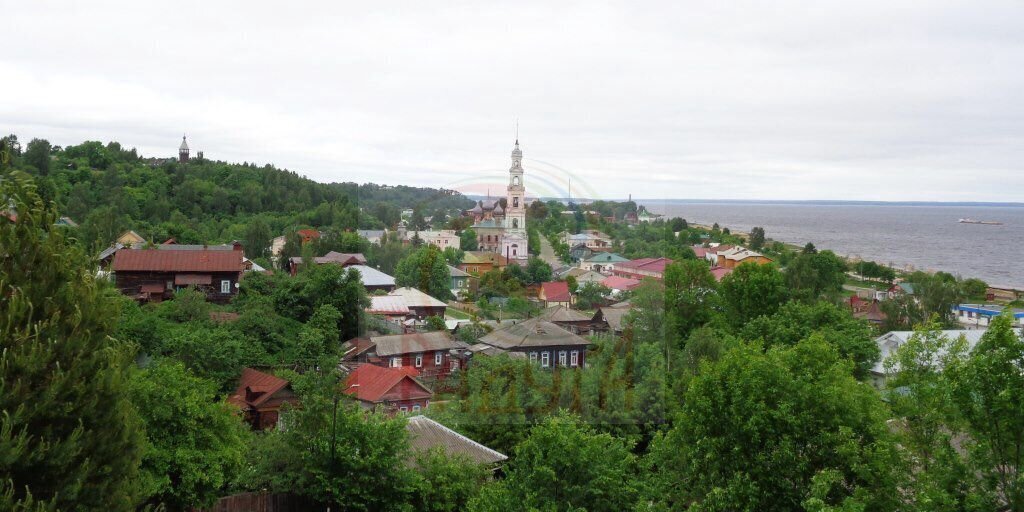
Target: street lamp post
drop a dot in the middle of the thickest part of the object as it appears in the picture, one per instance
(334, 427)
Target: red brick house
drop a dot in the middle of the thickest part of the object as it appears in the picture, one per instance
(260, 397)
(154, 274)
(391, 389)
(432, 354)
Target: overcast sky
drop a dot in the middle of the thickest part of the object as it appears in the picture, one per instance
(874, 100)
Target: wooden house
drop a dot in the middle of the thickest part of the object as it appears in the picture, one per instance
(432, 354)
(155, 274)
(260, 396)
(542, 341)
(390, 389)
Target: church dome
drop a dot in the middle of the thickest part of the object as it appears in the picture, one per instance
(498, 210)
(516, 152)
(184, 145)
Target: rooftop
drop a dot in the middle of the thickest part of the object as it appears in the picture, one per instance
(373, 277)
(396, 344)
(371, 383)
(536, 332)
(425, 433)
(175, 260)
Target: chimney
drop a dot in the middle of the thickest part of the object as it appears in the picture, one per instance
(236, 245)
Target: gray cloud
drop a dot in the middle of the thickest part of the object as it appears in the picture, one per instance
(780, 100)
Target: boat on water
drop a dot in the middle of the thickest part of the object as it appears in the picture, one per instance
(986, 222)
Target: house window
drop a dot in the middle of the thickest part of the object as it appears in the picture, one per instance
(170, 285)
(574, 358)
(404, 409)
(561, 358)
(438, 357)
(455, 364)
(396, 362)
(533, 357)
(416, 408)
(225, 286)
(545, 359)
(419, 361)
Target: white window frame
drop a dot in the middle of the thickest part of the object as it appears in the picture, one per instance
(225, 286)
(438, 358)
(562, 358)
(545, 359)
(396, 362)
(574, 358)
(419, 360)
(455, 364)
(404, 409)
(533, 357)
(416, 408)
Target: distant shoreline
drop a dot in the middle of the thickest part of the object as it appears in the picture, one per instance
(798, 202)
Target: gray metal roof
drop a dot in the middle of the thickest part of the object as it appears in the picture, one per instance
(891, 341)
(535, 332)
(417, 342)
(425, 433)
(373, 277)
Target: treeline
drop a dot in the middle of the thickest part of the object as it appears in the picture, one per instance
(108, 188)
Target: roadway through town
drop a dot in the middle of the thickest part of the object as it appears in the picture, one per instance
(547, 253)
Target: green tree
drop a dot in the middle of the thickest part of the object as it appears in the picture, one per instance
(257, 238)
(436, 323)
(813, 275)
(591, 295)
(446, 483)
(426, 270)
(921, 396)
(334, 452)
(756, 238)
(782, 429)
(196, 442)
(216, 354)
(691, 297)
(468, 240)
(988, 388)
(566, 465)
(37, 154)
(796, 321)
(537, 270)
(752, 290)
(69, 437)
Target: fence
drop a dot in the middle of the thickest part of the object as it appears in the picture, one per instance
(263, 502)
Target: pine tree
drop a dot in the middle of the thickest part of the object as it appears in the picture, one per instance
(68, 434)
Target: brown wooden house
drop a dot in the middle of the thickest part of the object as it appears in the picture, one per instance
(260, 397)
(155, 274)
(543, 342)
(390, 389)
(432, 354)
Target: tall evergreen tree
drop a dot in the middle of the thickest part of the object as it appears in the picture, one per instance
(68, 434)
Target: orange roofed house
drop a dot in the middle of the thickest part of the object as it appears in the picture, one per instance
(155, 274)
(260, 397)
(392, 389)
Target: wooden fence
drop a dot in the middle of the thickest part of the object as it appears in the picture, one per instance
(263, 502)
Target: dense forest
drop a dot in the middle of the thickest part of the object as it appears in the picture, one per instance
(749, 393)
(107, 188)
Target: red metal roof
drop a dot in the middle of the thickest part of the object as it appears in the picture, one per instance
(375, 381)
(648, 264)
(720, 272)
(556, 291)
(620, 283)
(256, 387)
(171, 260)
